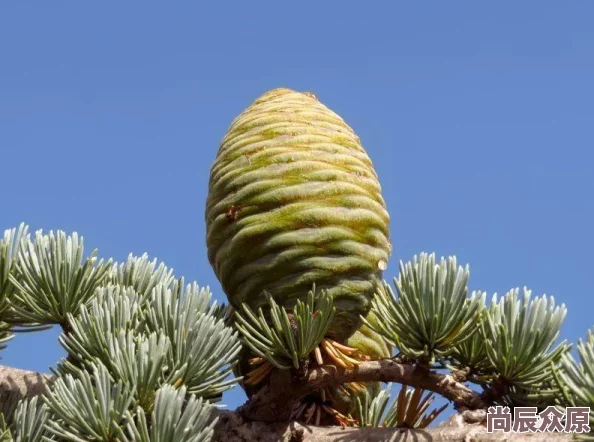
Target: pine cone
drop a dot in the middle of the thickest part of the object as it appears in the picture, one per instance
(294, 200)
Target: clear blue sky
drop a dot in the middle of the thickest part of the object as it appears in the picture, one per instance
(477, 116)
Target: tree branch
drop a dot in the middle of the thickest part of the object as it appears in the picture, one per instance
(16, 384)
(231, 427)
(234, 427)
(277, 400)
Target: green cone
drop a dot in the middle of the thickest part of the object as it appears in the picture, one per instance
(369, 342)
(294, 200)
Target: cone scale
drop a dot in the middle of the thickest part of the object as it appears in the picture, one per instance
(294, 200)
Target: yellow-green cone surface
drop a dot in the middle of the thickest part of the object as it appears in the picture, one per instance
(294, 200)
(372, 344)
(369, 342)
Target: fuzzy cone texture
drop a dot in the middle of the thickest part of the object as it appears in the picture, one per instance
(294, 200)
(369, 342)
(372, 344)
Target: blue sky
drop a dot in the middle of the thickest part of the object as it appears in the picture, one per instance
(477, 116)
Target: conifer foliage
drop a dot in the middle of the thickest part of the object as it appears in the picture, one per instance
(298, 235)
(149, 355)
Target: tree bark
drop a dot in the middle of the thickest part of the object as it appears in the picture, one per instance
(276, 400)
(232, 426)
(16, 384)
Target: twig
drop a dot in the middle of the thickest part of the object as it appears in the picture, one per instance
(276, 400)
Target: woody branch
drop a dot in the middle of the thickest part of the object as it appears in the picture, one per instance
(275, 401)
(234, 427)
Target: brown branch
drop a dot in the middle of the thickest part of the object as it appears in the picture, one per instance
(16, 384)
(277, 400)
(231, 427)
